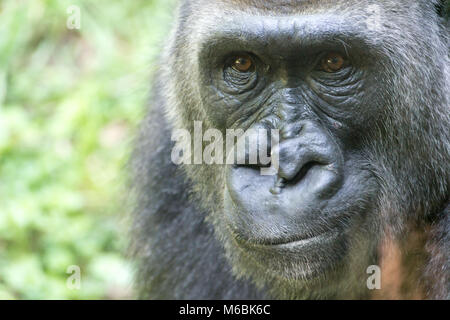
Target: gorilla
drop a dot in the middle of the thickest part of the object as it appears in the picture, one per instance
(359, 93)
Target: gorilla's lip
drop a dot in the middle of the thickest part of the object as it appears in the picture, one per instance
(299, 241)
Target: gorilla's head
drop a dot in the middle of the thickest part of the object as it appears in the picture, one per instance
(359, 93)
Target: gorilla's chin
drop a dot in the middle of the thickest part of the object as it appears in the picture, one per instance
(300, 260)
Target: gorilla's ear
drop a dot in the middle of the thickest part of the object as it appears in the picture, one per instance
(443, 8)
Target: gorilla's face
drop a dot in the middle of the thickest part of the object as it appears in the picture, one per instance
(315, 82)
(346, 88)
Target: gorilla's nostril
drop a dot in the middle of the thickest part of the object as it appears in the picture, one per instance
(279, 184)
(283, 179)
(291, 130)
(293, 177)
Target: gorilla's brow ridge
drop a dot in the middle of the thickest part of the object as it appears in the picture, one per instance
(308, 32)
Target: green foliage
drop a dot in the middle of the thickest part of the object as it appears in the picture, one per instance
(70, 101)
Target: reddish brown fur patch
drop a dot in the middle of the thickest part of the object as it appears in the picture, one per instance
(402, 265)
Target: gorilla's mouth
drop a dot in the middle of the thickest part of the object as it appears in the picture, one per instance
(309, 257)
(298, 241)
(303, 245)
(288, 242)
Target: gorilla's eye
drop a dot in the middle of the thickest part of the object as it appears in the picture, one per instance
(239, 73)
(242, 63)
(333, 62)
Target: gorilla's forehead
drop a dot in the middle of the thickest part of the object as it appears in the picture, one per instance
(281, 6)
(286, 7)
(256, 33)
(303, 19)
(255, 25)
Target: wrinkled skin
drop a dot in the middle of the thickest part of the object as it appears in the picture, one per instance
(364, 152)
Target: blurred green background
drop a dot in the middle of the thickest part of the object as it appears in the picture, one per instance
(70, 103)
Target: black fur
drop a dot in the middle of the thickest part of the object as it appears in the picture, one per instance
(177, 253)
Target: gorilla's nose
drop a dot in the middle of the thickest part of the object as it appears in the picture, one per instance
(299, 152)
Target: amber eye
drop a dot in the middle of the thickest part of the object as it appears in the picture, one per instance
(333, 62)
(242, 63)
